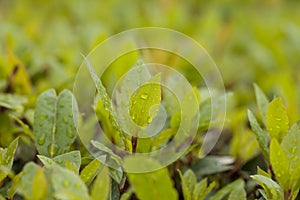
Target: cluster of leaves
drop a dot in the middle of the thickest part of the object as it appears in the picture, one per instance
(41, 156)
(280, 145)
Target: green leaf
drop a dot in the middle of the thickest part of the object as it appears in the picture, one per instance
(15, 184)
(261, 135)
(163, 137)
(54, 124)
(201, 190)
(112, 159)
(151, 185)
(7, 158)
(277, 119)
(280, 164)
(103, 96)
(262, 102)
(33, 184)
(188, 182)
(68, 185)
(100, 188)
(238, 194)
(229, 189)
(88, 174)
(71, 160)
(291, 146)
(144, 104)
(110, 154)
(212, 165)
(271, 188)
(12, 101)
(114, 193)
(262, 172)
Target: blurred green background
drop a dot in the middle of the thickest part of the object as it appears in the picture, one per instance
(250, 41)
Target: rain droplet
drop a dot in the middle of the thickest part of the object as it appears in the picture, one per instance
(59, 162)
(70, 134)
(65, 121)
(41, 139)
(66, 184)
(43, 116)
(144, 96)
(278, 119)
(75, 155)
(133, 117)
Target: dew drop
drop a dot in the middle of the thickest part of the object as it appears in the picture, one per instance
(43, 116)
(277, 126)
(70, 134)
(65, 120)
(41, 124)
(62, 106)
(41, 140)
(149, 120)
(278, 119)
(71, 115)
(144, 96)
(77, 185)
(75, 155)
(59, 162)
(66, 184)
(49, 161)
(133, 117)
(293, 150)
(7, 160)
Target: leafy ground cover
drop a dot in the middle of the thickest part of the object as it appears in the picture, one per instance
(255, 45)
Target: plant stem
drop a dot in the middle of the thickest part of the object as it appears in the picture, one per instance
(134, 143)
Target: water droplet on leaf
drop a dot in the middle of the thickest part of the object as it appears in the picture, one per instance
(41, 139)
(144, 96)
(66, 184)
(70, 134)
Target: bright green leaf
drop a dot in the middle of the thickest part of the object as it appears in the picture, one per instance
(88, 174)
(291, 146)
(151, 185)
(277, 119)
(280, 163)
(145, 101)
(100, 188)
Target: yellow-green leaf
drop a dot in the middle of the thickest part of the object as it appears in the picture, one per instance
(101, 186)
(280, 164)
(144, 104)
(277, 119)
